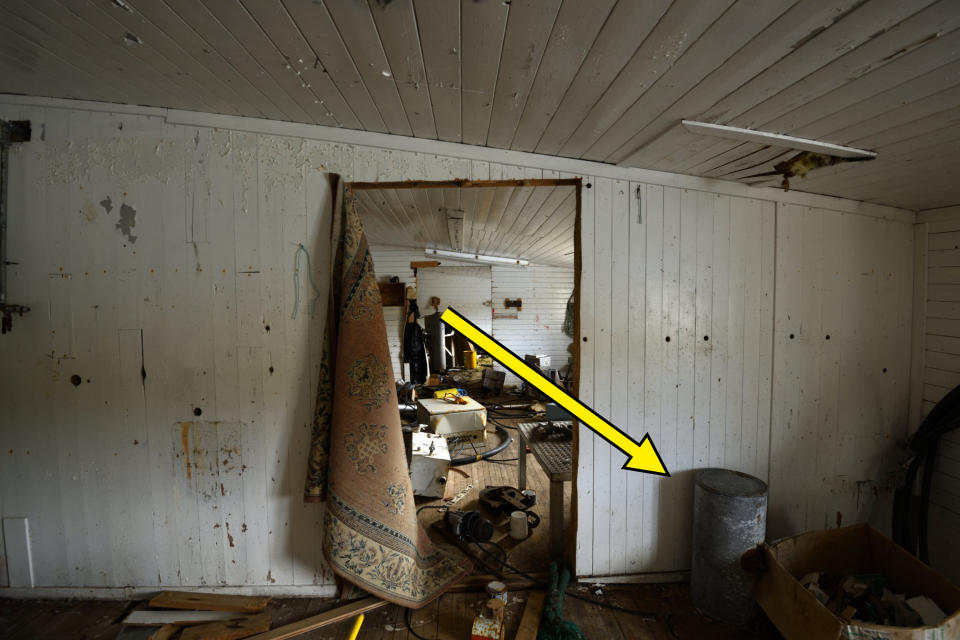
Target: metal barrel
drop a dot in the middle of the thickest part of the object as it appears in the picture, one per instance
(729, 517)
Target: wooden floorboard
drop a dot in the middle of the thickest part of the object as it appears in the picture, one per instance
(449, 618)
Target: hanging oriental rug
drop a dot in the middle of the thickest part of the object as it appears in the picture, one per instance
(357, 463)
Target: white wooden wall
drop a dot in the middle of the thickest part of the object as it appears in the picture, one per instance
(705, 321)
(100, 470)
(536, 329)
(940, 233)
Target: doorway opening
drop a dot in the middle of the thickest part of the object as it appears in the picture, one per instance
(505, 255)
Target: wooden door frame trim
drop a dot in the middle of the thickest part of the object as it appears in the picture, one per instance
(577, 183)
(452, 184)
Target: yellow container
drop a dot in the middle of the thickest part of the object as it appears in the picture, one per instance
(469, 359)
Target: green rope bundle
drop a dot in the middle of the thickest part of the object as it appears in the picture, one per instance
(553, 626)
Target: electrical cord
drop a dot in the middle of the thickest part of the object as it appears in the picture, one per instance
(486, 455)
(911, 514)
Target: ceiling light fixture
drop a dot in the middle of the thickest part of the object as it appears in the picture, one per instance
(475, 257)
(774, 139)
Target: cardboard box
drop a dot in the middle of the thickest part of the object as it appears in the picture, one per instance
(857, 549)
(448, 419)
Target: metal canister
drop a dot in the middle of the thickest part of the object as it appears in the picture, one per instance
(497, 590)
(729, 517)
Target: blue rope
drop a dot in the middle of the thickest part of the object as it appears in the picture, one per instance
(296, 282)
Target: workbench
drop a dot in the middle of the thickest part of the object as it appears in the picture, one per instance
(555, 455)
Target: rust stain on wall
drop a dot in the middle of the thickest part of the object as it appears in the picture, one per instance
(185, 439)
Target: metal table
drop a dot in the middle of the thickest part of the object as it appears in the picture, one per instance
(555, 456)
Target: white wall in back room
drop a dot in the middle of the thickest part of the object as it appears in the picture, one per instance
(537, 328)
(125, 487)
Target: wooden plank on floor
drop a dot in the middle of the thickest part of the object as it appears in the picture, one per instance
(530, 622)
(209, 602)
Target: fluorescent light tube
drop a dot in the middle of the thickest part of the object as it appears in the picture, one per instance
(475, 257)
(774, 139)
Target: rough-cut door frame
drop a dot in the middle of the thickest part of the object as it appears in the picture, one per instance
(577, 266)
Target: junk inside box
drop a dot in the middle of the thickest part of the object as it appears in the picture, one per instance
(854, 583)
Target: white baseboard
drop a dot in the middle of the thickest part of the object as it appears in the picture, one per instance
(638, 578)
(137, 593)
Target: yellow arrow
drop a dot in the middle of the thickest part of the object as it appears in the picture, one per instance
(641, 456)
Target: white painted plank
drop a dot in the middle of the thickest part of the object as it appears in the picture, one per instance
(438, 25)
(654, 387)
(587, 440)
(603, 376)
(636, 394)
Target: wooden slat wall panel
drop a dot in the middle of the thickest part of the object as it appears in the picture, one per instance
(604, 80)
(941, 373)
(219, 213)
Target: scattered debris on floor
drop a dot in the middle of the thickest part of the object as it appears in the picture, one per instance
(184, 615)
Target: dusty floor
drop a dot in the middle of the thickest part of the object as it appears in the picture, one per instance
(448, 619)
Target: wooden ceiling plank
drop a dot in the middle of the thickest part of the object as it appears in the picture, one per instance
(897, 124)
(529, 26)
(246, 30)
(226, 44)
(114, 37)
(940, 148)
(511, 216)
(765, 163)
(284, 34)
(438, 25)
(760, 160)
(554, 201)
(186, 60)
(22, 20)
(733, 30)
(363, 41)
(434, 215)
(29, 58)
(451, 209)
(775, 43)
(483, 29)
(484, 205)
(737, 152)
(374, 215)
(551, 208)
(468, 203)
(206, 53)
(932, 62)
(333, 57)
(845, 34)
(574, 34)
(397, 27)
(422, 202)
(677, 31)
(380, 200)
(901, 96)
(749, 155)
(67, 28)
(404, 200)
(887, 53)
(518, 200)
(538, 196)
(629, 24)
(851, 178)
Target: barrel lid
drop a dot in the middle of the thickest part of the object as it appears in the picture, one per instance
(730, 483)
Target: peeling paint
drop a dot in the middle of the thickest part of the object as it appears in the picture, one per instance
(107, 204)
(128, 220)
